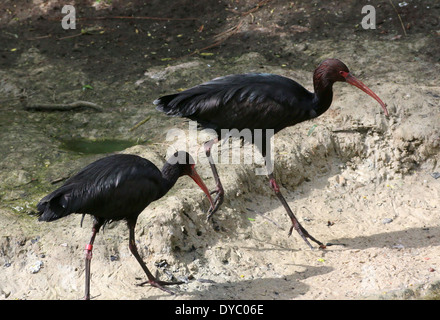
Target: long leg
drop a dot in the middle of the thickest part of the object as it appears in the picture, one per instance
(151, 279)
(295, 223)
(267, 152)
(220, 192)
(97, 223)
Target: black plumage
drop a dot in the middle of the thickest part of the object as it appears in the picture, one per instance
(242, 101)
(117, 187)
(93, 188)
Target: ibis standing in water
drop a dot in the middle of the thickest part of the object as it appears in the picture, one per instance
(117, 187)
(261, 101)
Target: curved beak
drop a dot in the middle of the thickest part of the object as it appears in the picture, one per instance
(195, 176)
(355, 82)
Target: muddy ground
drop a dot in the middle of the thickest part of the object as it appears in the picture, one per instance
(366, 183)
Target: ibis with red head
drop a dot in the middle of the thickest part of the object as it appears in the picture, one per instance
(259, 101)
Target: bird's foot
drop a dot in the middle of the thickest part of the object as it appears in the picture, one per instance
(217, 201)
(159, 284)
(304, 234)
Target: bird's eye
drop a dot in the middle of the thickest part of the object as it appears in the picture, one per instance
(343, 73)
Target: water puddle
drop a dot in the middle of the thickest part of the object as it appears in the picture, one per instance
(87, 146)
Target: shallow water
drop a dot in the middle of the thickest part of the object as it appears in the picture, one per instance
(86, 146)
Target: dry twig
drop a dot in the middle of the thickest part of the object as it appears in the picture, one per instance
(223, 36)
(257, 7)
(140, 123)
(398, 15)
(63, 106)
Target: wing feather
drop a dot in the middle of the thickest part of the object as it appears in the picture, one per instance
(253, 100)
(134, 180)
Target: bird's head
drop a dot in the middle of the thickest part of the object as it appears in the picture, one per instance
(186, 166)
(332, 70)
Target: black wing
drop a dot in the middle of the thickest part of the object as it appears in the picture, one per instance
(253, 100)
(113, 188)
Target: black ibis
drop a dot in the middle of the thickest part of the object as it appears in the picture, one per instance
(117, 187)
(259, 101)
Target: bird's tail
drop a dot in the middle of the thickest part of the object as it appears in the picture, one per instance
(163, 104)
(54, 206)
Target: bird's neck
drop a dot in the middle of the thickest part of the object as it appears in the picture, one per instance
(323, 93)
(170, 174)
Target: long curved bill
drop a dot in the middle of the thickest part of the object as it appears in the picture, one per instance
(195, 176)
(355, 82)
